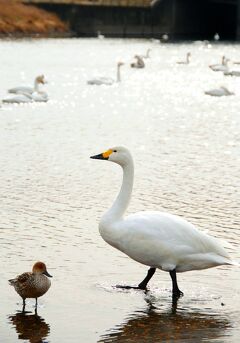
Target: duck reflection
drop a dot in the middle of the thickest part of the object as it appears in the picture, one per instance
(30, 327)
(173, 325)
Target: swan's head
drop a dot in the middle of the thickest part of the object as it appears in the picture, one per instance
(41, 79)
(119, 155)
(120, 64)
(40, 268)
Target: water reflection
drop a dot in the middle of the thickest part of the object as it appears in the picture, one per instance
(174, 324)
(30, 327)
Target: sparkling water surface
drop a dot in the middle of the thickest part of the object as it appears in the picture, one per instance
(186, 150)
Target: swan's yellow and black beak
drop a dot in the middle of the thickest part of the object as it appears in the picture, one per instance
(104, 156)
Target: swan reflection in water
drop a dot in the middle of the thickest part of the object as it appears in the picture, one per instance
(172, 325)
(30, 327)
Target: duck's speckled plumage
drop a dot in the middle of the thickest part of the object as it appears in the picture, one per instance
(32, 284)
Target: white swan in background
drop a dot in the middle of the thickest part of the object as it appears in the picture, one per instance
(156, 239)
(100, 35)
(165, 38)
(147, 55)
(232, 73)
(188, 58)
(216, 37)
(139, 64)
(105, 80)
(222, 91)
(20, 98)
(220, 67)
(25, 89)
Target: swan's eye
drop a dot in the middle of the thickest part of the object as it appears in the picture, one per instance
(114, 150)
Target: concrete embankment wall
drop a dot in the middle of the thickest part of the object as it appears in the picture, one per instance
(181, 19)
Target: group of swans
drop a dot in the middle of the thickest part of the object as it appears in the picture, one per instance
(223, 67)
(98, 81)
(156, 239)
(26, 94)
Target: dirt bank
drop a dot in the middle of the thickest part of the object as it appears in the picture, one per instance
(17, 18)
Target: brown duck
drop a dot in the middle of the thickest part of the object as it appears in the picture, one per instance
(32, 284)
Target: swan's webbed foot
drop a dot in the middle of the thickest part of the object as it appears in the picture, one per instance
(177, 294)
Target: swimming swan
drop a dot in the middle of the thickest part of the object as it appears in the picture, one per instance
(25, 89)
(139, 62)
(147, 55)
(188, 57)
(220, 67)
(105, 80)
(222, 91)
(20, 98)
(156, 239)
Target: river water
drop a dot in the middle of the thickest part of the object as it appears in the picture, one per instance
(186, 150)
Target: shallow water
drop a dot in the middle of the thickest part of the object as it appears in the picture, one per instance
(186, 150)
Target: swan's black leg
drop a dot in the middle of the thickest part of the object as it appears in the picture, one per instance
(36, 304)
(143, 284)
(24, 304)
(150, 273)
(175, 290)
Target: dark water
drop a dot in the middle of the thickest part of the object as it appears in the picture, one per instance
(186, 151)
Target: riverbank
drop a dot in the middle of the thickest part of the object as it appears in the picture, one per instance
(17, 19)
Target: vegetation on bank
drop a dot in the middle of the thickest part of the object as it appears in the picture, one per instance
(17, 18)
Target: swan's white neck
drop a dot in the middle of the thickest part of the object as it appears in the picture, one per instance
(122, 201)
(118, 73)
(36, 86)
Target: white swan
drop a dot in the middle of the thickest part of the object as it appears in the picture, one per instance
(147, 55)
(156, 239)
(216, 37)
(232, 73)
(20, 98)
(39, 96)
(105, 80)
(188, 58)
(220, 67)
(25, 89)
(139, 64)
(222, 91)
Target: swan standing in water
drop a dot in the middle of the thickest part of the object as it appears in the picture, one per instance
(156, 239)
(25, 89)
(105, 80)
(139, 62)
(222, 91)
(188, 58)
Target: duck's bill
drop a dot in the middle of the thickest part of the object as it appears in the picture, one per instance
(99, 157)
(47, 274)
